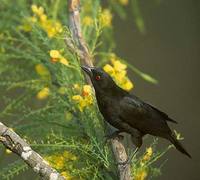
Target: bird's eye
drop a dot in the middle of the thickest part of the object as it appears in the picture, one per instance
(98, 78)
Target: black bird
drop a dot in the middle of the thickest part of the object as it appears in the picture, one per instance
(127, 113)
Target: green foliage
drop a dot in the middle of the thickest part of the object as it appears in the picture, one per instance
(38, 103)
(13, 169)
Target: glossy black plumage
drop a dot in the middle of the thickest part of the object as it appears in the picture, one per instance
(128, 113)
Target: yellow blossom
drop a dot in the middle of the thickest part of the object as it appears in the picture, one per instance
(57, 57)
(68, 155)
(141, 174)
(77, 97)
(43, 18)
(54, 53)
(8, 151)
(87, 90)
(51, 27)
(105, 18)
(118, 66)
(119, 73)
(108, 68)
(37, 10)
(59, 160)
(66, 175)
(64, 61)
(76, 86)
(123, 2)
(85, 99)
(43, 94)
(42, 70)
(148, 154)
(87, 21)
(128, 85)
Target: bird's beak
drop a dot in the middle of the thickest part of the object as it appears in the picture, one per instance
(87, 69)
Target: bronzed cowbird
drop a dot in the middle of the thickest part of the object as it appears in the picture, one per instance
(128, 113)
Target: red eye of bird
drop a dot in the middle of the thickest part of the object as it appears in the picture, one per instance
(98, 78)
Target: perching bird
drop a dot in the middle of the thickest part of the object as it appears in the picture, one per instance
(127, 113)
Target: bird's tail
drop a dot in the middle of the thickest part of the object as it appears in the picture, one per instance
(178, 145)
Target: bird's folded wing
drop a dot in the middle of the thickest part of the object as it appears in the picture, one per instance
(133, 108)
(135, 113)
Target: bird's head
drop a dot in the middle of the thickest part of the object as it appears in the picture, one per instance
(100, 79)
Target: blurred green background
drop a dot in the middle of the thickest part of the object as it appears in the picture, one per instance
(169, 51)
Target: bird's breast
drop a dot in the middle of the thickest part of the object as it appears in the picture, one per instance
(108, 107)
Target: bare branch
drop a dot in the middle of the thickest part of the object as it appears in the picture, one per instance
(16, 144)
(86, 59)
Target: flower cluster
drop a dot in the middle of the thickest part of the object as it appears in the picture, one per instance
(56, 56)
(105, 18)
(119, 73)
(51, 27)
(44, 73)
(62, 161)
(43, 93)
(84, 98)
(142, 172)
(148, 154)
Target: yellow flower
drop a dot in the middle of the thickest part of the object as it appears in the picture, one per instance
(123, 2)
(141, 174)
(59, 160)
(148, 154)
(43, 18)
(128, 85)
(54, 53)
(76, 86)
(108, 68)
(68, 155)
(77, 97)
(119, 73)
(64, 61)
(57, 57)
(8, 151)
(87, 90)
(42, 70)
(37, 10)
(87, 21)
(105, 18)
(51, 27)
(66, 175)
(85, 99)
(118, 66)
(43, 94)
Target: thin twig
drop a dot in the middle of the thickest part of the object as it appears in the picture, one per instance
(86, 59)
(17, 145)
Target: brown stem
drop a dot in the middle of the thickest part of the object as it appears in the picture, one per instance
(86, 59)
(17, 145)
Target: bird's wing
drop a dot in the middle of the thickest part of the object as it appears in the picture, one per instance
(141, 116)
(164, 115)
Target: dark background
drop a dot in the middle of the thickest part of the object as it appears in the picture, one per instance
(169, 51)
